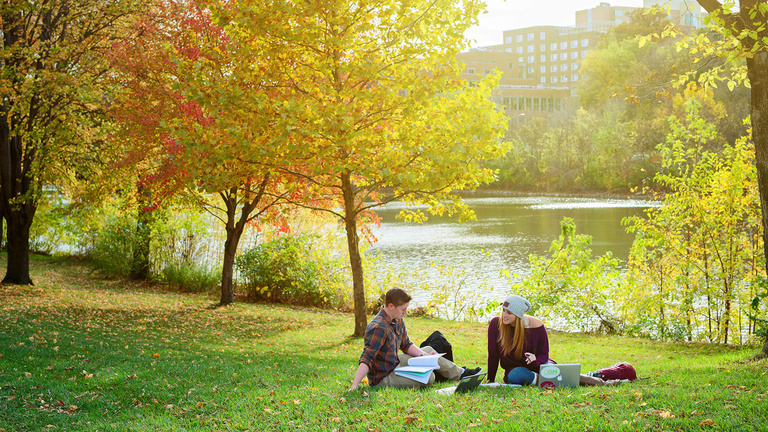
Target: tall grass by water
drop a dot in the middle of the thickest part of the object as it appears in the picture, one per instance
(81, 353)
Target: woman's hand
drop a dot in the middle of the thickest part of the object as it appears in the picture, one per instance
(529, 357)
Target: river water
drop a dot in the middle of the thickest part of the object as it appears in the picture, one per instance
(507, 230)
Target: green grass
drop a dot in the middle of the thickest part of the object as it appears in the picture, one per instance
(80, 353)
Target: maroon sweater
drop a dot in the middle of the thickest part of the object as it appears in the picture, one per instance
(536, 342)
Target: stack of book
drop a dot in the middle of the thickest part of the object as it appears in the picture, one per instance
(419, 368)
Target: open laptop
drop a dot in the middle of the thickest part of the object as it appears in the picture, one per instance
(553, 376)
(467, 384)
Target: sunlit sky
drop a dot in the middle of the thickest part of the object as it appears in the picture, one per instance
(512, 14)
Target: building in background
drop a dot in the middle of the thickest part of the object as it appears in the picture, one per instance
(541, 65)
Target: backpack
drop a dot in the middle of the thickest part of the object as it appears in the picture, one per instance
(437, 341)
(618, 371)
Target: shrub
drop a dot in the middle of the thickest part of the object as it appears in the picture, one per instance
(191, 277)
(286, 270)
(113, 249)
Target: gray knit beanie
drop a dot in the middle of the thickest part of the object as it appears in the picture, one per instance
(517, 305)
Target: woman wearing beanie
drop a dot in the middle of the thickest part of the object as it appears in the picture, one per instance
(518, 342)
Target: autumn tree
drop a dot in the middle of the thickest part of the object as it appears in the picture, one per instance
(51, 75)
(189, 101)
(378, 106)
(693, 264)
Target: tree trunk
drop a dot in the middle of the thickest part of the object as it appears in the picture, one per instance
(228, 265)
(355, 261)
(757, 69)
(141, 245)
(18, 250)
(234, 233)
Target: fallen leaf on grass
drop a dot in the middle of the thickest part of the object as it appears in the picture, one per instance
(707, 422)
(731, 406)
(666, 414)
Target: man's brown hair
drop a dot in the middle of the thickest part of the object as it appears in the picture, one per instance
(397, 297)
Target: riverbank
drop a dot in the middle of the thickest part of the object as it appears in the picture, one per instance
(578, 194)
(82, 353)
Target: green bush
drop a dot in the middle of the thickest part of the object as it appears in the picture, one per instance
(113, 249)
(191, 277)
(286, 270)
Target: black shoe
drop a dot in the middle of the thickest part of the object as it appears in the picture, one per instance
(470, 372)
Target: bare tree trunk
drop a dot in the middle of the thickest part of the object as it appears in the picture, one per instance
(141, 246)
(757, 68)
(355, 260)
(234, 233)
(15, 181)
(18, 251)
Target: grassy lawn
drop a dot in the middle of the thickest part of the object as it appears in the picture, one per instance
(81, 353)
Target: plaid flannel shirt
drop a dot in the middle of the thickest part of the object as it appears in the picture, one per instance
(383, 337)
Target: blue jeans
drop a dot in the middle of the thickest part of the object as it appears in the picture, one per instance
(520, 375)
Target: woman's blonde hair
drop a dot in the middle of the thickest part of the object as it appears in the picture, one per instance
(512, 338)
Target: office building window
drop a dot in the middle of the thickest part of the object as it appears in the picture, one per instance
(542, 47)
(509, 50)
(563, 45)
(543, 80)
(574, 77)
(530, 48)
(553, 68)
(553, 57)
(564, 56)
(519, 50)
(530, 70)
(584, 53)
(511, 65)
(508, 40)
(543, 58)
(530, 59)
(530, 36)
(574, 66)
(553, 46)
(519, 38)
(487, 71)
(553, 79)
(564, 78)
(543, 69)
(574, 55)
(574, 43)
(584, 43)
(471, 70)
(521, 71)
(563, 67)
(543, 35)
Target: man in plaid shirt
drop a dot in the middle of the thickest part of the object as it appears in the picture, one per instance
(384, 336)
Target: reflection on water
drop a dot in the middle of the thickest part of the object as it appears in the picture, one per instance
(507, 229)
